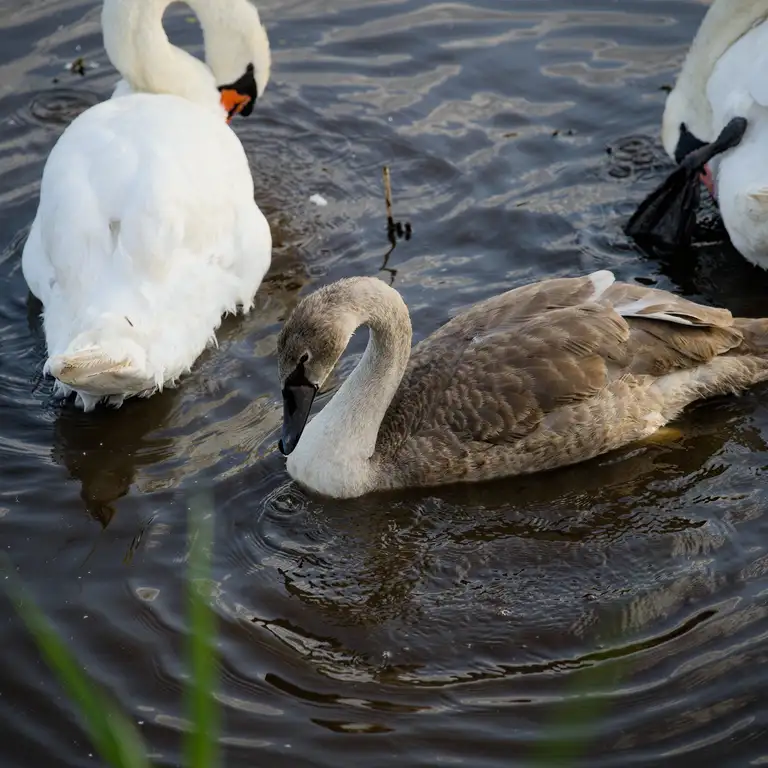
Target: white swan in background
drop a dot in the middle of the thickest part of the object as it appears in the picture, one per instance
(237, 53)
(147, 230)
(725, 75)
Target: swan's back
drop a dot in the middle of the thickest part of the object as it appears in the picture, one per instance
(147, 214)
(552, 373)
(155, 154)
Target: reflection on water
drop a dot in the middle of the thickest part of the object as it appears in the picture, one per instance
(612, 610)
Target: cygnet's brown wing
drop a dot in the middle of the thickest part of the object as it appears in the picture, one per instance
(494, 372)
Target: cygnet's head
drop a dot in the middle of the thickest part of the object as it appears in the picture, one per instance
(237, 52)
(308, 348)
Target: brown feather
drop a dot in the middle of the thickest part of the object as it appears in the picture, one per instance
(541, 376)
(550, 373)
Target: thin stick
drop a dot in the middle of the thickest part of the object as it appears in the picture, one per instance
(391, 228)
(387, 192)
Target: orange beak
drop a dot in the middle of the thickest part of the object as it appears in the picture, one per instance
(233, 102)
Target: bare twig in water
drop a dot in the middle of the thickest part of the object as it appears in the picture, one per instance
(388, 194)
(395, 229)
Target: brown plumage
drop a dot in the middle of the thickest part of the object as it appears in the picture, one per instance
(541, 376)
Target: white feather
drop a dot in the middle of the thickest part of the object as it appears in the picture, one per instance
(724, 76)
(145, 234)
(602, 281)
(725, 23)
(637, 309)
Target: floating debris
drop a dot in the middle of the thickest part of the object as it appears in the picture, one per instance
(77, 67)
(318, 200)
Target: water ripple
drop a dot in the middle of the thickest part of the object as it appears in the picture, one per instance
(616, 608)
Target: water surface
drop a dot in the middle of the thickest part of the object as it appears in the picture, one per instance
(614, 610)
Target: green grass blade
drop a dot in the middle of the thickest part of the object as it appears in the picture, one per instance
(577, 719)
(201, 744)
(114, 736)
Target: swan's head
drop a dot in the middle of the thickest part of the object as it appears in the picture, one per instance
(237, 52)
(237, 55)
(677, 135)
(308, 348)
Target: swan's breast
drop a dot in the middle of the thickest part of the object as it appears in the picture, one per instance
(335, 475)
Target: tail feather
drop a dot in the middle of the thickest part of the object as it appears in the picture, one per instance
(755, 336)
(94, 371)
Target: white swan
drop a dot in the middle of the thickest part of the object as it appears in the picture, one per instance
(147, 230)
(724, 76)
(541, 376)
(237, 53)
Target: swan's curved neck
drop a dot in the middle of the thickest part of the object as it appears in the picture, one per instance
(725, 22)
(333, 455)
(139, 49)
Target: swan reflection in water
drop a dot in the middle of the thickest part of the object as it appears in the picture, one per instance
(153, 444)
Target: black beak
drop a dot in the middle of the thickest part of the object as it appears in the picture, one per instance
(297, 403)
(729, 138)
(667, 217)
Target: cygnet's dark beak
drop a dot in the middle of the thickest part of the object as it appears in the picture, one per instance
(298, 397)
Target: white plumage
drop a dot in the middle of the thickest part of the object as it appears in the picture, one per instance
(146, 230)
(724, 76)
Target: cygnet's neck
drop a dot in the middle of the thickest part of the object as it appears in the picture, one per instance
(137, 46)
(333, 456)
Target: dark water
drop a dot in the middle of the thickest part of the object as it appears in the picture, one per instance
(613, 612)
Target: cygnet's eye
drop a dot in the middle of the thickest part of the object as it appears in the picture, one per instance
(304, 358)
